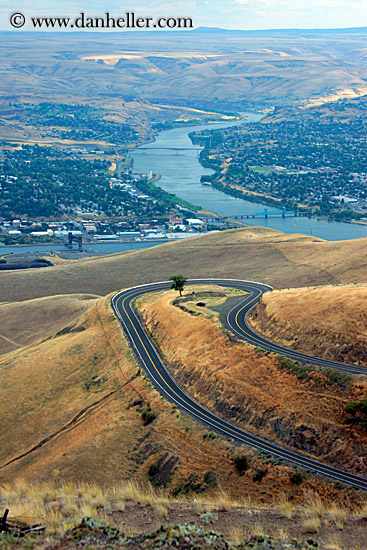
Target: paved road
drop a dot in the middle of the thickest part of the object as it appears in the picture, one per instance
(149, 357)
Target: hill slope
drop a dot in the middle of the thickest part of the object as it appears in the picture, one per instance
(268, 396)
(232, 66)
(30, 321)
(262, 254)
(79, 410)
(76, 407)
(328, 322)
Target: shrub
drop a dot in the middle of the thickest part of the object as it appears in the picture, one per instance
(42, 261)
(358, 410)
(296, 478)
(294, 367)
(259, 475)
(241, 464)
(153, 470)
(148, 416)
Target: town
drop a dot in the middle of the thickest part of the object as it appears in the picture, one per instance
(48, 193)
(313, 163)
(17, 231)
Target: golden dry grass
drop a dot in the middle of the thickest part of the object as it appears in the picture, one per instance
(22, 323)
(286, 508)
(61, 506)
(46, 385)
(338, 515)
(135, 508)
(265, 398)
(259, 254)
(329, 322)
(311, 524)
(333, 543)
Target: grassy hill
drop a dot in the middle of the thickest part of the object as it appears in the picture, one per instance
(78, 410)
(328, 322)
(256, 253)
(23, 323)
(272, 396)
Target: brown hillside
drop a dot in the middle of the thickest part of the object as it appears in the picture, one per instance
(328, 322)
(305, 414)
(23, 323)
(74, 406)
(264, 67)
(262, 254)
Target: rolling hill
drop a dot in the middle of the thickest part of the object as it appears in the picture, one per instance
(77, 409)
(328, 322)
(268, 66)
(35, 319)
(262, 254)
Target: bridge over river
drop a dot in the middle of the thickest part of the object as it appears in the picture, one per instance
(175, 149)
(266, 213)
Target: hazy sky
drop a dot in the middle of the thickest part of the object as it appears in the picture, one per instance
(230, 14)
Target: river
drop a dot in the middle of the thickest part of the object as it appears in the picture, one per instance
(180, 172)
(97, 248)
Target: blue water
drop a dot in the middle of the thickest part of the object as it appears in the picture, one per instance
(108, 248)
(181, 172)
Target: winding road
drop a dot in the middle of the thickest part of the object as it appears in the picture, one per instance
(122, 304)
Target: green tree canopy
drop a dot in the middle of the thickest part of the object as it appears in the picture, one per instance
(178, 282)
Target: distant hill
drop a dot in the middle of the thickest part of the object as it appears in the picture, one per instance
(274, 66)
(23, 323)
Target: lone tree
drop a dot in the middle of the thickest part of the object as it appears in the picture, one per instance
(178, 282)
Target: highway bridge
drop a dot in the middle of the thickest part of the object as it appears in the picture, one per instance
(169, 148)
(266, 213)
(175, 149)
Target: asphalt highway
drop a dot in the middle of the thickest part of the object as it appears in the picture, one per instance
(122, 304)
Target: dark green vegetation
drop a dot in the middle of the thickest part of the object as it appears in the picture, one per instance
(160, 194)
(308, 160)
(325, 377)
(296, 478)
(241, 463)
(358, 412)
(26, 238)
(148, 415)
(178, 283)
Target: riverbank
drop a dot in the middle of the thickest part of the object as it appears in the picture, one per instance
(181, 202)
(95, 249)
(175, 158)
(227, 172)
(268, 200)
